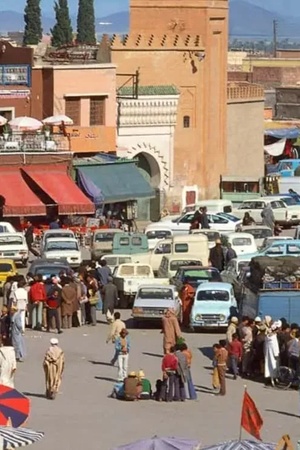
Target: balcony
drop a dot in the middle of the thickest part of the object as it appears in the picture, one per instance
(33, 143)
(244, 91)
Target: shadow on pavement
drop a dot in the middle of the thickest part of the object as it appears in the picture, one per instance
(156, 355)
(32, 394)
(206, 351)
(101, 363)
(106, 379)
(284, 413)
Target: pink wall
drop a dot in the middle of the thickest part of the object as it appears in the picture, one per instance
(94, 79)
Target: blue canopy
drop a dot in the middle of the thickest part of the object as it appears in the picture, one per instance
(90, 189)
(283, 133)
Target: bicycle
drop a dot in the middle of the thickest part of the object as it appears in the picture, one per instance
(286, 378)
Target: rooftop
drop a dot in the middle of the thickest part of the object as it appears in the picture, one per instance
(241, 90)
(150, 90)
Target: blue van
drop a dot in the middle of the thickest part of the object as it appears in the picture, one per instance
(214, 304)
(130, 243)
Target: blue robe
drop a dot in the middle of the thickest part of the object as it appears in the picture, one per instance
(16, 335)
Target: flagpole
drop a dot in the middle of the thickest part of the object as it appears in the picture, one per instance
(241, 428)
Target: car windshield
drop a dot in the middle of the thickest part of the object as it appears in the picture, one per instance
(175, 265)
(157, 294)
(47, 271)
(104, 237)
(214, 296)
(260, 233)
(61, 246)
(289, 201)
(191, 275)
(5, 267)
(11, 240)
(158, 234)
(229, 217)
(237, 242)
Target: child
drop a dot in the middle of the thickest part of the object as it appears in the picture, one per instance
(215, 376)
(235, 351)
(222, 356)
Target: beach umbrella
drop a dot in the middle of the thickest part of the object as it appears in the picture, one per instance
(57, 120)
(3, 121)
(11, 438)
(244, 444)
(25, 124)
(14, 407)
(162, 443)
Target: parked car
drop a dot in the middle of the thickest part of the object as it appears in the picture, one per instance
(102, 241)
(213, 206)
(269, 240)
(259, 232)
(195, 275)
(152, 301)
(170, 264)
(48, 267)
(63, 248)
(216, 222)
(7, 269)
(235, 265)
(129, 277)
(6, 227)
(59, 233)
(283, 214)
(284, 247)
(242, 243)
(156, 232)
(214, 304)
(14, 246)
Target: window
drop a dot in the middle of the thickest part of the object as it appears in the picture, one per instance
(215, 296)
(186, 121)
(162, 249)
(277, 204)
(216, 219)
(241, 241)
(97, 111)
(187, 218)
(136, 241)
(7, 113)
(124, 241)
(73, 109)
(181, 248)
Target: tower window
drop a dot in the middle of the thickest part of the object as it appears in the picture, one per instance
(186, 122)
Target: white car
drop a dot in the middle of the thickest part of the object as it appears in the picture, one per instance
(55, 234)
(242, 243)
(6, 227)
(216, 222)
(269, 240)
(63, 248)
(13, 246)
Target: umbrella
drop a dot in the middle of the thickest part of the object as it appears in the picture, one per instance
(14, 406)
(162, 443)
(3, 121)
(18, 437)
(25, 124)
(57, 120)
(245, 444)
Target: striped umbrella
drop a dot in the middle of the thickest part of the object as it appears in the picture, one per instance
(14, 407)
(11, 438)
(245, 444)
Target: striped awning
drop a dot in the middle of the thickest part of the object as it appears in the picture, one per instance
(245, 444)
(18, 437)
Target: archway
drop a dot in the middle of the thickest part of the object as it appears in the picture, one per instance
(149, 209)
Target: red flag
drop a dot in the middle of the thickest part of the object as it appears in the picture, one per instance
(251, 419)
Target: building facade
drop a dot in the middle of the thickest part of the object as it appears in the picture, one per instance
(185, 45)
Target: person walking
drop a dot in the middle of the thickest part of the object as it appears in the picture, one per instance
(122, 346)
(8, 365)
(170, 386)
(272, 352)
(232, 329)
(170, 329)
(17, 338)
(268, 218)
(230, 254)
(110, 299)
(93, 297)
(190, 385)
(116, 327)
(104, 273)
(29, 237)
(235, 351)
(68, 298)
(54, 364)
(20, 300)
(216, 256)
(222, 356)
(52, 304)
(37, 297)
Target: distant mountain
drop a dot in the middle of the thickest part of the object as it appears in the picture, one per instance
(261, 23)
(114, 23)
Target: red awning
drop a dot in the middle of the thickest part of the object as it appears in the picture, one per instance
(19, 198)
(57, 184)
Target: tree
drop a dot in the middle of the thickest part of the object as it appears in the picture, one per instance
(86, 33)
(62, 32)
(33, 31)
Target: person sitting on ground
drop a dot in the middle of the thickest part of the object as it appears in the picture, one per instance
(132, 387)
(146, 393)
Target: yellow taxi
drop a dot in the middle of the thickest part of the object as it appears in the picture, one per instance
(7, 269)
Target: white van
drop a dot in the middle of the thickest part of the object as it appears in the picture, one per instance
(114, 261)
(215, 206)
(195, 246)
(212, 235)
(170, 264)
(156, 232)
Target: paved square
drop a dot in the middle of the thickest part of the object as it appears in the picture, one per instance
(83, 416)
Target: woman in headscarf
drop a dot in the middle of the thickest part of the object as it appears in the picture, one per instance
(272, 351)
(17, 333)
(54, 363)
(268, 218)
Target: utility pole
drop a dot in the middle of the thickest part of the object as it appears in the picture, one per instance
(275, 27)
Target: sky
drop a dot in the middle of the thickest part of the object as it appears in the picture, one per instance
(102, 7)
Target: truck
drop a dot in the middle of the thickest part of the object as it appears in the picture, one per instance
(129, 277)
(277, 303)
